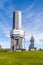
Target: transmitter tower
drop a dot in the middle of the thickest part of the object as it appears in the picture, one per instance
(17, 34)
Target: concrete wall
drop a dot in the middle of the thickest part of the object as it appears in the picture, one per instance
(17, 20)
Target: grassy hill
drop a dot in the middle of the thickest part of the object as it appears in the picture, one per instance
(21, 58)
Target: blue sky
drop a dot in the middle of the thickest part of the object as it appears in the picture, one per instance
(32, 20)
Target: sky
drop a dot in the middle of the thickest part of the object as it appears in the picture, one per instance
(32, 21)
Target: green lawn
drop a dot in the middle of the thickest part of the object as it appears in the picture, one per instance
(22, 58)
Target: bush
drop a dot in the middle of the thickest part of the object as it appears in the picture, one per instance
(4, 50)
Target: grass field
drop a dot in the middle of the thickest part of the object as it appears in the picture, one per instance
(22, 58)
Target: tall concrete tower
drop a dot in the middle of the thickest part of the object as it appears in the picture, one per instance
(17, 34)
(31, 47)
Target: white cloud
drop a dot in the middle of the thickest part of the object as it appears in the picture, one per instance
(5, 44)
(36, 26)
(28, 9)
(6, 29)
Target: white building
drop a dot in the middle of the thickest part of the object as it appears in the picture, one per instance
(17, 34)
